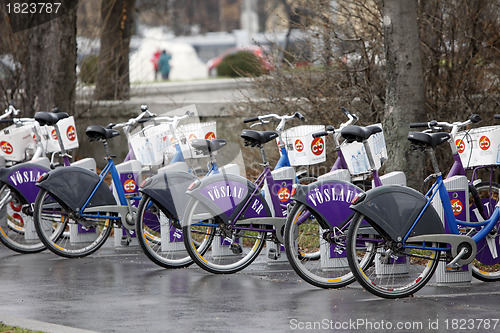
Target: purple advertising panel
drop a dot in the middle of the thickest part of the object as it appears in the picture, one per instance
(24, 179)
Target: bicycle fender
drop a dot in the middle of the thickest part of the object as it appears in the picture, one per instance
(330, 199)
(168, 191)
(73, 186)
(393, 209)
(22, 178)
(224, 195)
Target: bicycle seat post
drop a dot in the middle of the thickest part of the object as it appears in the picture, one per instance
(434, 162)
(371, 160)
(106, 147)
(263, 154)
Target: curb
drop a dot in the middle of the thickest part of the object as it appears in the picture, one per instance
(36, 325)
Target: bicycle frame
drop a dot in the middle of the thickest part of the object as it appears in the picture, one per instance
(451, 223)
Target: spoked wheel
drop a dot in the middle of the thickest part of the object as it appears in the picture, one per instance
(160, 236)
(65, 234)
(393, 274)
(17, 230)
(315, 250)
(217, 250)
(486, 266)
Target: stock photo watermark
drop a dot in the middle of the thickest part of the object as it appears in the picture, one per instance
(362, 324)
(23, 15)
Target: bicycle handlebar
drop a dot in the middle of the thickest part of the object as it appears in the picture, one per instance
(497, 116)
(475, 118)
(249, 120)
(318, 134)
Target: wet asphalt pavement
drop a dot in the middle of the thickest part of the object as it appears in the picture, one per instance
(120, 290)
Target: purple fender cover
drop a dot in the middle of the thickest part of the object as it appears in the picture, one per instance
(225, 194)
(22, 178)
(329, 198)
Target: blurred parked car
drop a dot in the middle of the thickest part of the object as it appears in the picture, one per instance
(258, 51)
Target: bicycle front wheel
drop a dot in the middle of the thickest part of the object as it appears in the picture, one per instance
(17, 230)
(394, 274)
(64, 233)
(160, 236)
(215, 248)
(315, 250)
(486, 266)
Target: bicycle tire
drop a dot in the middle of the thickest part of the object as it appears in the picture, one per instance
(309, 251)
(159, 237)
(385, 278)
(52, 219)
(227, 252)
(485, 267)
(17, 230)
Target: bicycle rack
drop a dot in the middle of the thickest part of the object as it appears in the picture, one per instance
(458, 190)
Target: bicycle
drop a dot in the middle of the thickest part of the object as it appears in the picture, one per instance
(17, 184)
(227, 218)
(413, 236)
(89, 213)
(160, 210)
(481, 192)
(318, 221)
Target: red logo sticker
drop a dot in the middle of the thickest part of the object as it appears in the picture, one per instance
(129, 186)
(71, 133)
(460, 145)
(457, 206)
(284, 194)
(317, 146)
(54, 134)
(191, 138)
(6, 147)
(299, 146)
(210, 136)
(484, 143)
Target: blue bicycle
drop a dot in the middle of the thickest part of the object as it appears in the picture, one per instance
(399, 230)
(75, 210)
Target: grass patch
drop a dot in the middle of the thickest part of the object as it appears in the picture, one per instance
(10, 329)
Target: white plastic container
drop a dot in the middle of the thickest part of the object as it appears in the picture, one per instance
(151, 143)
(479, 146)
(14, 140)
(189, 132)
(302, 148)
(355, 154)
(68, 133)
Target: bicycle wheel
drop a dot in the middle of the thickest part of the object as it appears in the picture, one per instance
(65, 234)
(159, 236)
(17, 231)
(486, 266)
(315, 250)
(215, 248)
(395, 273)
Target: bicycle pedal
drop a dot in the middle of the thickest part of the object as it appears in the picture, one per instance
(272, 254)
(125, 241)
(236, 248)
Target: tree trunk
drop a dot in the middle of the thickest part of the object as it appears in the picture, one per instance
(113, 72)
(405, 90)
(51, 65)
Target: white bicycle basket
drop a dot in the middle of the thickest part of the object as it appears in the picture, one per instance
(302, 148)
(479, 146)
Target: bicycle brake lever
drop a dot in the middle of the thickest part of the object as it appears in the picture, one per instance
(260, 123)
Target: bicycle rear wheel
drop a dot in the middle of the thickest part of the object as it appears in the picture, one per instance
(160, 236)
(17, 231)
(394, 274)
(315, 250)
(215, 249)
(64, 233)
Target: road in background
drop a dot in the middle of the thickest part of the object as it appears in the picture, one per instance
(120, 290)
